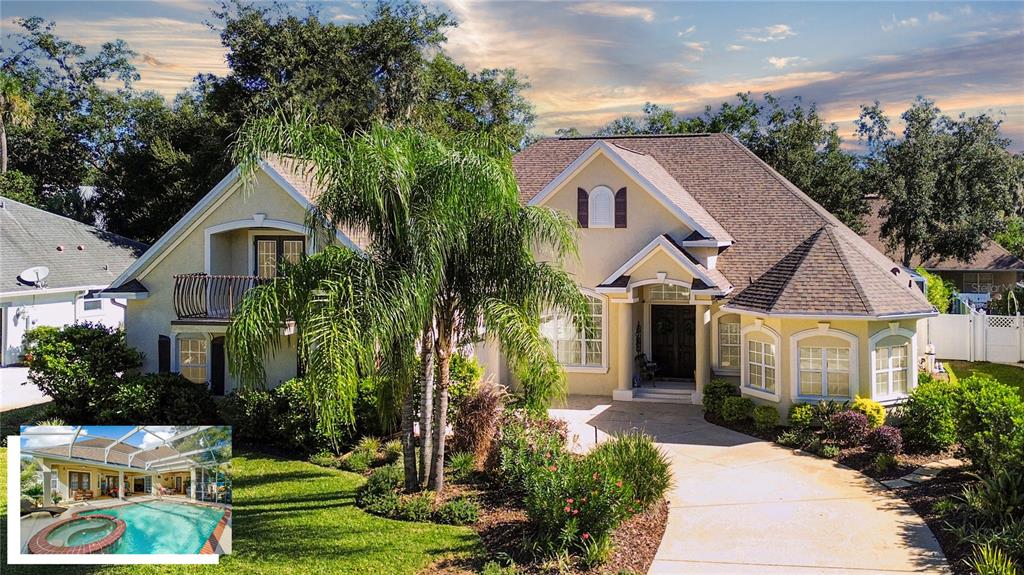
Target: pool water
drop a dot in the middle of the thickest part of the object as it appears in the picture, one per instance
(162, 527)
(80, 532)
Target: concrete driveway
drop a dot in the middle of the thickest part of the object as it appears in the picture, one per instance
(741, 505)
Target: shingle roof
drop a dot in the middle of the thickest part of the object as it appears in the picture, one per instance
(92, 450)
(33, 237)
(992, 256)
(766, 215)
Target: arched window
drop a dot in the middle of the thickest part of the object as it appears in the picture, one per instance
(760, 368)
(893, 363)
(576, 347)
(825, 363)
(601, 208)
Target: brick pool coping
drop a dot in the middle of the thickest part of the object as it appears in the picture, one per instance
(38, 545)
(210, 546)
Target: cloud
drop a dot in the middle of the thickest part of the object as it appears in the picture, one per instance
(688, 31)
(966, 10)
(937, 17)
(35, 442)
(911, 22)
(613, 10)
(772, 33)
(157, 434)
(696, 46)
(735, 48)
(780, 62)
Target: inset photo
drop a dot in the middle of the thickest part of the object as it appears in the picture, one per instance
(136, 490)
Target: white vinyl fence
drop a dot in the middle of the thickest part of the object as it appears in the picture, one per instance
(978, 337)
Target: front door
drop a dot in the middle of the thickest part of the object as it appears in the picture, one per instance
(217, 366)
(673, 340)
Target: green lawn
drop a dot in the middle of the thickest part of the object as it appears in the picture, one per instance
(292, 517)
(12, 419)
(1008, 374)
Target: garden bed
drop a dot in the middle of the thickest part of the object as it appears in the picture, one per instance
(923, 498)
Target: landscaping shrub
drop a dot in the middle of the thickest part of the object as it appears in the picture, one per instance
(737, 409)
(792, 438)
(159, 399)
(80, 366)
(323, 459)
(715, 394)
(461, 466)
(823, 412)
(383, 480)
(357, 461)
(459, 511)
(281, 418)
(417, 507)
(871, 409)
(392, 451)
(884, 463)
(990, 425)
(476, 421)
(801, 415)
(383, 504)
(369, 445)
(251, 414)
(990, 560)
(885, 440)
(465, 373)
(766, 418)
(928, 418)
(828, 451)
(495, 568)
(848, 427)
(633, 458)
(525, 443)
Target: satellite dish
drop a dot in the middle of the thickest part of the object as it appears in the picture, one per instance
(35, 275)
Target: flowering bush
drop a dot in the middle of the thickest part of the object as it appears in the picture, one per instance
(886, 440)
(574, 504)
(525, 443)
(848, 427)
(635, 459)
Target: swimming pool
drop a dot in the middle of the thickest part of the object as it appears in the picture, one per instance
(162, 527)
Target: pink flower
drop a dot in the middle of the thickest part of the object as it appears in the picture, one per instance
(575, 511)
(566, 508)
(618, 484)
(570, 500)
(586, 535)
(553, 468)
(548, 455)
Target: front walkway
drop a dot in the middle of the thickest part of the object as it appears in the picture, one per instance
(741, 505)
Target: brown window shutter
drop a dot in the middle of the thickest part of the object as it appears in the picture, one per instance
(582, 207)
(620, 208)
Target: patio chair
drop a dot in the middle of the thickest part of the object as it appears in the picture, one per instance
(646, 370)
(82, 494)
(28, 508)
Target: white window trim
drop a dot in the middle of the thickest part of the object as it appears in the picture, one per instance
(256, 221)
(176, 356)
(603, 368)
(794, 362)
(591, 196)
(715, 356)
(759, 327)
(911, 336)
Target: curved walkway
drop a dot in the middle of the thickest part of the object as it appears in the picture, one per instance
(741, 505)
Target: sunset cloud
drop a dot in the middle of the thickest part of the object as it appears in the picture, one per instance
(781, 63)
(772, 33)
(613, 10)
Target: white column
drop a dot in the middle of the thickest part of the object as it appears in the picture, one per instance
(192, 483)
(625, 353)
(120, 484)
(702, 373)
(47, 493)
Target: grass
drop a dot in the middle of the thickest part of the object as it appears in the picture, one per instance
(291, 517)
(1008, 374)
(12, 420)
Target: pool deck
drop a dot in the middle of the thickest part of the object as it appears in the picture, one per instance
(32, 524)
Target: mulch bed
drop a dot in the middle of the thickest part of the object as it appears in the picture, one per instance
(504, 531)
(862, 460)
(923, 497)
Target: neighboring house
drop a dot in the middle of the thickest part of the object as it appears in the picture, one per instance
(182, 292)
(693, 252)
(991, 271)
(52, 269)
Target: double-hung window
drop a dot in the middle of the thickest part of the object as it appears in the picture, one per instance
(892, 366)
(192, 357)
(729, 342)
(577, 347)
(272, 251)
(978, 282)
(761, 366)
(824, 372)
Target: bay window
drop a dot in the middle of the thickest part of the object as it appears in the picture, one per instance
(824, 372)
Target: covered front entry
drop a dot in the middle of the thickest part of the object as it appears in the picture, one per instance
(674, 341)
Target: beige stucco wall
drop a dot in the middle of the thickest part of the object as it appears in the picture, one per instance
(146, 319)
(96, 474)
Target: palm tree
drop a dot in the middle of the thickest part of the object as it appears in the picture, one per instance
(430, 210)
(15, 110)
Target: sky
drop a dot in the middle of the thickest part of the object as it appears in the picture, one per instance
(590, 62)
(138, 439)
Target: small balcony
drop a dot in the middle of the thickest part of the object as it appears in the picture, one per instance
(211, 297)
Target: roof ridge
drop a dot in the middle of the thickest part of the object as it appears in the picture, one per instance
(644, 136)
(846, 268)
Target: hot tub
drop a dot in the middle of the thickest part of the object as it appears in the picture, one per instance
(92, 534)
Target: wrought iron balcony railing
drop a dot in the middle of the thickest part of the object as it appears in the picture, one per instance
(202, 296)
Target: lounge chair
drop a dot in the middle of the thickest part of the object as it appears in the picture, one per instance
(28, 508)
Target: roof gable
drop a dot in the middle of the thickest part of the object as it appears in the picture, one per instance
(663, 244)
(652, 177)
